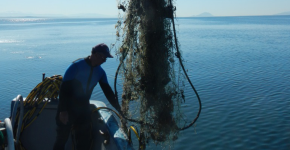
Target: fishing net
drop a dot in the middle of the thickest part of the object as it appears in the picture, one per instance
(153, 84)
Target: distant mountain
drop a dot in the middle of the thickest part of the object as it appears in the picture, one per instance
(205, 14)
(90, 15)
(284, 13)
(83, 15)
(21, 14)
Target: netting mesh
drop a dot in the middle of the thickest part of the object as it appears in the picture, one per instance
(152, 91)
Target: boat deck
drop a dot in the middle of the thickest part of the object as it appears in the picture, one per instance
(41, 133)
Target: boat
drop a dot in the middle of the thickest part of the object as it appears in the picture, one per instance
(40, 132)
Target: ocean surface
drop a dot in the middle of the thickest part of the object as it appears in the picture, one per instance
(240, 67)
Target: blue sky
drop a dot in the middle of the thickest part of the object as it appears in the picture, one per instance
(185, 8)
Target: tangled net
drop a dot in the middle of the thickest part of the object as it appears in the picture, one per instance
(153, 85)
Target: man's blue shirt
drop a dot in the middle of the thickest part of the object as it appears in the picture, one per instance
(78, 83)
(81, 71)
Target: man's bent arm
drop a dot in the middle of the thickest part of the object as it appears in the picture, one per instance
(110, 95)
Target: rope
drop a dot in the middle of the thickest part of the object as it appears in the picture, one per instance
(180, 61)
(48, 88)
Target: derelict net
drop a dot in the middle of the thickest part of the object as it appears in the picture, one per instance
(153, 84)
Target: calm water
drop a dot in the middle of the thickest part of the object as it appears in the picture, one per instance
(239, 65)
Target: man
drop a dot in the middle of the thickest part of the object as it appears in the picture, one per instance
(78, 83)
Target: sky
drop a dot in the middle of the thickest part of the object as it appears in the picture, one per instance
(185, 8)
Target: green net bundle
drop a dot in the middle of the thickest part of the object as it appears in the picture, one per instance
(151, 90)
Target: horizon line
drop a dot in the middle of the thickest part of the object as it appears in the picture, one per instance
(72, 16)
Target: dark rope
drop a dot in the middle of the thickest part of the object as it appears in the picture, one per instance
(180, 61)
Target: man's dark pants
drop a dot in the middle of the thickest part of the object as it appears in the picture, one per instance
(81, 124)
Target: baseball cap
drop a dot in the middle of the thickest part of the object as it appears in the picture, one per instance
(102, 48)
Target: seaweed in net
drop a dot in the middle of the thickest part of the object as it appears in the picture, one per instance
(147, 63)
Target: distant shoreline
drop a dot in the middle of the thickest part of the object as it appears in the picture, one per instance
(61, 17)
(231, 16)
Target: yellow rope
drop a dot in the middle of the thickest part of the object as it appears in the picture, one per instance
(135, 131)
(48, 88)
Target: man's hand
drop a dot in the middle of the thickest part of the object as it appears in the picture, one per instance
(63, 117)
